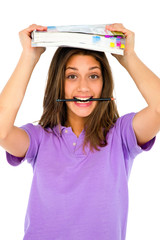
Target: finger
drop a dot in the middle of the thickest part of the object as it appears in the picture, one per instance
(115, 26)
(33, 27)
(118, 27)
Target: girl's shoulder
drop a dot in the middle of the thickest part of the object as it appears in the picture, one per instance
(122, 125)
(37, 131)
(124, 119)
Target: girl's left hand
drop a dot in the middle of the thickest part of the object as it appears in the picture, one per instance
(129, 42)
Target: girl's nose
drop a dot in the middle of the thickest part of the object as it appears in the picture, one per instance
(83, 85)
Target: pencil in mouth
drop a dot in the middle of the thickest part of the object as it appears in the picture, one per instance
(85, 100)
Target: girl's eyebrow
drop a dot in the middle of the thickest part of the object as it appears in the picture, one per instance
(92, 68)
(72, 68)
(76, 69)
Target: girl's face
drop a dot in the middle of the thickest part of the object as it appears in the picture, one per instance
(83, 80)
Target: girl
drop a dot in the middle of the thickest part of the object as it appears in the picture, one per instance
(81, 152)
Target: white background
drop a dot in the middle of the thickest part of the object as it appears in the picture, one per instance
(142, 17)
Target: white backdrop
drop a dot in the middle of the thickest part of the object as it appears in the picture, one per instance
(142, 17)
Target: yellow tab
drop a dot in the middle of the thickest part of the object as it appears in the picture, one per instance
(112, 44)
(122, 46)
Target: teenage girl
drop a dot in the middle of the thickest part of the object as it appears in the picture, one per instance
(81, 152)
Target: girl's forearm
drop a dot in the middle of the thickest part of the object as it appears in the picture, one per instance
(146, 81)
(14, 91)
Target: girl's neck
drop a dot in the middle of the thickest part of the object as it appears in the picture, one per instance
(76, 125)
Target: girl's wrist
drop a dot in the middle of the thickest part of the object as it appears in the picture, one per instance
(127, 59)
(30, 57)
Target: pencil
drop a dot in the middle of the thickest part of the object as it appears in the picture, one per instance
(79, 100)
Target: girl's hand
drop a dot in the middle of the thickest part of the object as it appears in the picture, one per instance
(25, 38)
(129, 42)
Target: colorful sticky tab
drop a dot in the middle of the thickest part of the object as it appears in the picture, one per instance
(112, 44)
(51, 27)
(118, 44)
(122, 46)
(96, 39)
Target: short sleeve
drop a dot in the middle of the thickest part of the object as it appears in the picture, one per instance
(131, 149)
(35, 134)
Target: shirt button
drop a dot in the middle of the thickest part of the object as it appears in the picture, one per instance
(74, 144)
(66, 131)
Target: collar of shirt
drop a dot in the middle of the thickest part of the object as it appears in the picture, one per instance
(73, 143)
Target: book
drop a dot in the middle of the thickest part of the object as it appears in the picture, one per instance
(93, 37)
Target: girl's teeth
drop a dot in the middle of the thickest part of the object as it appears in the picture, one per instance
(83, 100)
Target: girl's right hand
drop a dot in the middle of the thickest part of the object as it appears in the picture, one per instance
(25, 38)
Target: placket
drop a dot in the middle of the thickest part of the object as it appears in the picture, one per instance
(74, 143)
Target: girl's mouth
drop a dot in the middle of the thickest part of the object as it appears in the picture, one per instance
(82, 100)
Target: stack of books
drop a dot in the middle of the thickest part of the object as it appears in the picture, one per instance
(93, 37)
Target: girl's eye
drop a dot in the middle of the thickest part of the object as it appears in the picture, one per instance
(94, 76)
(72, 76)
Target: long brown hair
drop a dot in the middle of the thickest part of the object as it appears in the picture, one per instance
(104, 115)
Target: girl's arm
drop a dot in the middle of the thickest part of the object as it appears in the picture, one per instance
(146, 123)
(13, 139)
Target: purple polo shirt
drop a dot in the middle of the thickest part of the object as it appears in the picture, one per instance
(76, 195)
